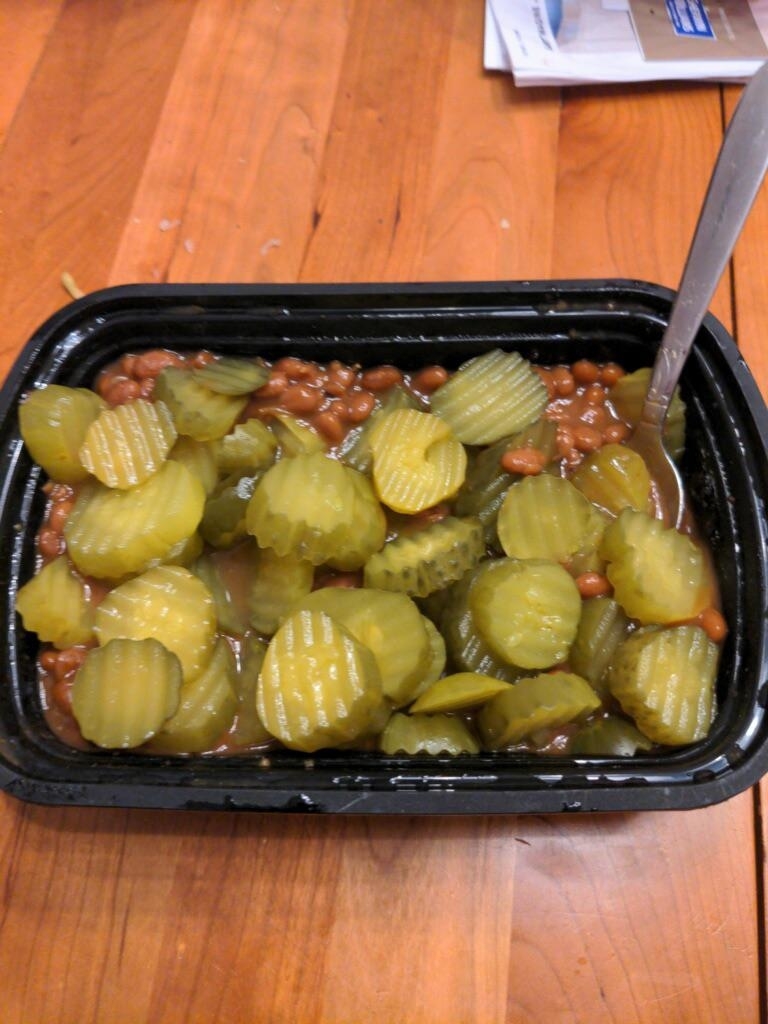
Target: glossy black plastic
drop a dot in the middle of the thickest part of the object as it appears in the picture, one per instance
(727, 475)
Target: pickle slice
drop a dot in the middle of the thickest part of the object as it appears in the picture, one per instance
(318, 687)
(459, 691)
(207, 706)
(391, 627)
(438, 657)
(544, 701)
(658, 575)
(53, 422)
(228, 375)
(665, 680)
(124, 692)
(427, 560)
(547, 517)
(627, 397)
(313, 507)
(417, 461)
(615, 478)
(602, 627)
(427, 734)
(224, 516)
(111, 533)
(227, 575)
(610, 737)
(467, 651)
(249, 730)
(490, 396)
(295, 438)
(199, 458)
(54, 604)
(355, 449)
(526, 611)
(168, 603)
(197, 411)
(277, 584)
(124, 446)
(249, 447)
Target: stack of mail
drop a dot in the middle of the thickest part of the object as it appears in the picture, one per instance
(565, 42)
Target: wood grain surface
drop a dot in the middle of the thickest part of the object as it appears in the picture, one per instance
(331, 141)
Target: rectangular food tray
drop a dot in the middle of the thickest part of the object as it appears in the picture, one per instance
(725, 467)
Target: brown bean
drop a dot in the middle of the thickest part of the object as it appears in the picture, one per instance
(594, 394)
(274, 387)
(713, 623)
(49, 543)
(338, 379)
(593, 584)
(201, 359)
(61, 694)
(547, 380)
(358, 405)
(381, 378)
(610, 373)
(586, 438)
(300, 399)
(563, 381)
(585, 371)
(58, 515)
(127, 364)
(615, 433)
(48, 660)
(429, 379)
(296, 369)
(151, 363)
(122, 390)
(564, 439)
(527, 460)
(329, 425)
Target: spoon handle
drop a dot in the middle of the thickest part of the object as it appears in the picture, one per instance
(738, 174)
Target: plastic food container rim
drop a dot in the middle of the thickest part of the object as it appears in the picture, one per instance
(36, 767)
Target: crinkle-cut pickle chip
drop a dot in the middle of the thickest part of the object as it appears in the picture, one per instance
(277, 583)
(207, 706)
(544, 701)
(313, 507)
(296, 438)
(197, 411)
(417, 461)
(438, 657)
(229, 375)
(223, 522)
(466, 650)
(602, 627)
(249, 730)
(627, 397)
(355, 449)
(490, 396)
(124, 446)
(199, 457)
(249, 446)
(54, 604)
(225, 574)
(547, 517)
(111, 534)
(124, 692)
(665, 680)
(427, 734)
(615, 477)
(458, 691)
(609, 737)
(168, 603)
(658, 575)
(527, 611)
(53, 422)
(319, 686)
(427, 560)
(390, 625)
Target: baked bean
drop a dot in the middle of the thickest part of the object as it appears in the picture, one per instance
(594, 394)
(201, 359)
(429, 379)
(338, 379)
(428, 516)
(563, 380)
(147, 386)
(547, 381)
(274, 387)
(615, 433)
(68, 662)
(585, 371)
(714, 625)
(358, 405)
(526, 460)
(151, 363)
(49, 543)
(296, 369)
(61, 694)
(586, 438)
(329, 425)
(564, 439)
(58, 515)
(300, 399)
(127, 364)
(381, 378)
(610, 373)
(48, 660)
(593, 584)
(121, 390)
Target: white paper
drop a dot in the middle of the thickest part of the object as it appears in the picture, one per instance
(568, 42)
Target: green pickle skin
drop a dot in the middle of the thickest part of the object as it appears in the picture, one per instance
(286, 601)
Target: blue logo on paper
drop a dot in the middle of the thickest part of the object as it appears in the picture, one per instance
(689, 18)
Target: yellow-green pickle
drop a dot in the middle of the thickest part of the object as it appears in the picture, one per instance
(242, 555)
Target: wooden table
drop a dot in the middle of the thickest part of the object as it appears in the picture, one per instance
(331, 141)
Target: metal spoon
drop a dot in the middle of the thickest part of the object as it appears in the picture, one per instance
(735, 181)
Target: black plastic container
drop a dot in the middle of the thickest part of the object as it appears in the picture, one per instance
(727, 476)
